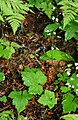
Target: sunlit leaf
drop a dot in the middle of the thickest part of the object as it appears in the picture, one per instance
(33, 78)
(20, 99)
(48, 99)
(56, 55)
(70, 117)
(64, 89)
(3, 99)
(35, 89)
(68, 103)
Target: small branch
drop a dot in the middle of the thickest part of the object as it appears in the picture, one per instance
(4, 108)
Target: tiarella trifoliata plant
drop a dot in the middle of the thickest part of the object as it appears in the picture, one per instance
(7, 115)
(20, 97)
(48, 99)
(34, 78)
(70, 86)
(7, 48)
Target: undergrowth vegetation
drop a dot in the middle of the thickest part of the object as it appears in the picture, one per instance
(34, 79)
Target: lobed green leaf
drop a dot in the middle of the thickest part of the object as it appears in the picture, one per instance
(20, 97)
(33, 78)
(3, 99)
(48, 99)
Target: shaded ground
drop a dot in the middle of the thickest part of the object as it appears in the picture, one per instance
(31, 38)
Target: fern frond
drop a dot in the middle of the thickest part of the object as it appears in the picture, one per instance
(14, 10)
(70, 10)
(67, 19)
(15, 21)
(14, 24)
(6, 8)
(76, 20)
(1, 18)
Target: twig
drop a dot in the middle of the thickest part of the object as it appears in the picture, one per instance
(44, 113)
(4, 108)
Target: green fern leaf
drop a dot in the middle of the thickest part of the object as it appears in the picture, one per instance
(67, 19)
(19, 16)
(1, 18)
(14, 11)
(6, 8)
(70, 10)
(15, 24)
